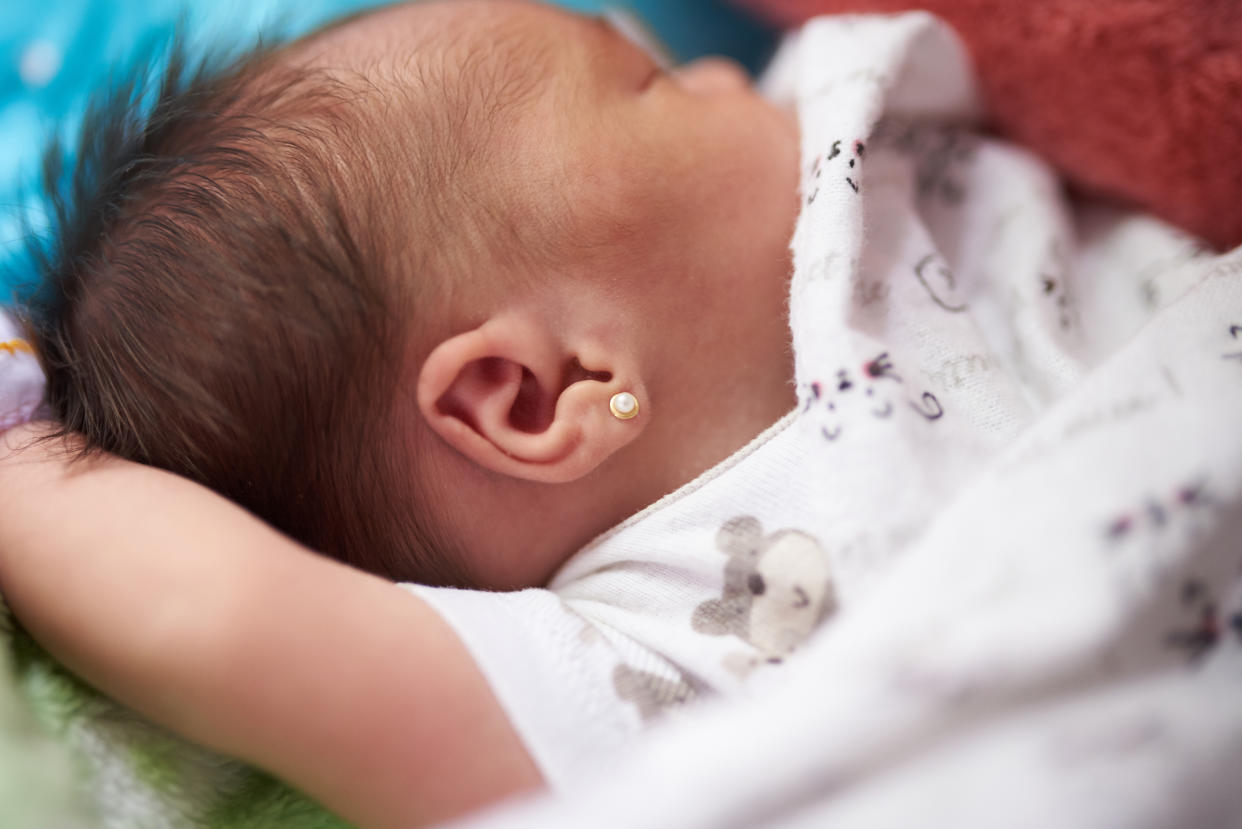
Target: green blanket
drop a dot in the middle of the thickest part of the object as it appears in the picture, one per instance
(71, 758)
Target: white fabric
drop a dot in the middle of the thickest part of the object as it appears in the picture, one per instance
(21, 379)
(1018, 454)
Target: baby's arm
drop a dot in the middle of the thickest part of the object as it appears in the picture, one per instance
(185, 607)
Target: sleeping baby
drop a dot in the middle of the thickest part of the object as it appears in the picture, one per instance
(476, 297)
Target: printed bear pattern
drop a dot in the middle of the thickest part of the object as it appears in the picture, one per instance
(777, 589)
(1157, 513)
(846, 396)
(848, 164)
(1203, 621)
(1200, 634)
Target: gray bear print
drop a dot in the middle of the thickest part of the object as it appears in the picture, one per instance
(777, 589)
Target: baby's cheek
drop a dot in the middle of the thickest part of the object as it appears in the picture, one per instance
(758, 189)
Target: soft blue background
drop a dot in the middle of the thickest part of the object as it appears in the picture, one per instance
(53, 53)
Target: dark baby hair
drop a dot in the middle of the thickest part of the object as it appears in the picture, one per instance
(215, 300)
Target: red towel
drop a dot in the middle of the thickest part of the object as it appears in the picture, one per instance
(1138, 100)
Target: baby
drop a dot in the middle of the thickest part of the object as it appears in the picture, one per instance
(467, 243)
(443, 291)
(449, 290)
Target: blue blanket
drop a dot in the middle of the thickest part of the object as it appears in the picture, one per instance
(53, 53)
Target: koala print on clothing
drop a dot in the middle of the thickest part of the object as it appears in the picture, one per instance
(777, 589)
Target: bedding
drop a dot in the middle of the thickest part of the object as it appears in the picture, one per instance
(38, 775)
(84, 761)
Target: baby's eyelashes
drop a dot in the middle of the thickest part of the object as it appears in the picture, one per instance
(656, 74)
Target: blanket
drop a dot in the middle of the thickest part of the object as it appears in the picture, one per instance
(1130, 99)
(63, 739)
(80, 760)
(37, 774)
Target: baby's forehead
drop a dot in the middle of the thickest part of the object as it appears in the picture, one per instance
(488, 42)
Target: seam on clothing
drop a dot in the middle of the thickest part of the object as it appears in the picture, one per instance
(693, 486)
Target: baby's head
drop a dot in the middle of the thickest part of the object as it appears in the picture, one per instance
(380, 286)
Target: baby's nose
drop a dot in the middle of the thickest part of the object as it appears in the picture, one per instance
(708, 76)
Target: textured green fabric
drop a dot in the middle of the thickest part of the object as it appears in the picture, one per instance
(37, 773)
(71, 758)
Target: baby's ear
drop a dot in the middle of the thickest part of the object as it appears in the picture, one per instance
(522, 399)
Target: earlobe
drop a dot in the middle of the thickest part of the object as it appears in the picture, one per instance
(523, 400)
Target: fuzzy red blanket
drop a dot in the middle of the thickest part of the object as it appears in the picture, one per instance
(1138, 100)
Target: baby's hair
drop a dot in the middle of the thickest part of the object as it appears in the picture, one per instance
(217, 300)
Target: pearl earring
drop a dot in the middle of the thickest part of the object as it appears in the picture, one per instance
(623, 405)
